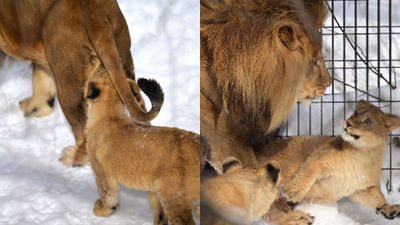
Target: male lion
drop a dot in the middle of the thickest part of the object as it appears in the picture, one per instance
(325, 169)
(240, 195)
(162, 160)
(258, 58)
(65, 39)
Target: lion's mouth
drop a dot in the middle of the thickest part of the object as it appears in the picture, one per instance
(354, 136)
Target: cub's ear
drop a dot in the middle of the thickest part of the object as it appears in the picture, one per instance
(392, 122)
(291, 36)
(273, 171)
(92, 92)
(363, 104)
(231, 164)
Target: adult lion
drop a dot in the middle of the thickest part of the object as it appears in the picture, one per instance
(258, 58)
(65, 39)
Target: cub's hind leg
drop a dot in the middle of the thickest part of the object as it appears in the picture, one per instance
(159, 216)
(373, 198)
(108, 189)
(44, 89)
(178, 212)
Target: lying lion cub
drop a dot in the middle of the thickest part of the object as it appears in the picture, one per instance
(164, 161)
(326, 169)
(240, 195)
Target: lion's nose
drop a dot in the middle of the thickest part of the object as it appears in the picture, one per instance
(348, 124)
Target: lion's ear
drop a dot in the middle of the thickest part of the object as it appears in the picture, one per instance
(273, 171)
(290, 36)
(231, 164)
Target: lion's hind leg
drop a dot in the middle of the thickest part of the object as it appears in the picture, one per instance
(41, 103)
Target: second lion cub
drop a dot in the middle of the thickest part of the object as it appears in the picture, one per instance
(164, 161)
(326, 169)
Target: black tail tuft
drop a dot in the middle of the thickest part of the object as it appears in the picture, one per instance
(152, 89)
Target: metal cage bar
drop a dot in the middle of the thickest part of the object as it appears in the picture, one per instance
(358, 49)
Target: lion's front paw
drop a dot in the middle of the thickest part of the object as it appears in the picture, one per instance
(34, 107)
(389, 211)
(299, 217)
(103, 210)
(68, 158)
(292, 194)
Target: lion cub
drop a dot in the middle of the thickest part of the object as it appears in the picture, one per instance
(240, 195)
(326, 169)
(164, 161)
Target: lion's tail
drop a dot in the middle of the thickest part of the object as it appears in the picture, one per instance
(155, 93)
(101, 35)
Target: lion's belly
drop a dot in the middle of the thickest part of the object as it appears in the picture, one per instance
(27, 51)
(20, 29)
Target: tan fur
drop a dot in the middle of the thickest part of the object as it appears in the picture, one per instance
(258, 58)
(69, 38)
(164, 161)
(240, 195)
(44, 90)
(281, 213)
(326, 169)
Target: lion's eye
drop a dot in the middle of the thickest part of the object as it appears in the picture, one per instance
(367, 121)
(355, 113)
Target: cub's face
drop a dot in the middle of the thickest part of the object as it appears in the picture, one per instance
(368, 125)
(242, 194)
(101, 89)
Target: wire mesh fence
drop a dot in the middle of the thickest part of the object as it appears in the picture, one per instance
(361, 45)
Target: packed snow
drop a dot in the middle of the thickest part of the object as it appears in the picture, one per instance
(35, 188)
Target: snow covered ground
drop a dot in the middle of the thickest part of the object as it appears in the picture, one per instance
(34, 187)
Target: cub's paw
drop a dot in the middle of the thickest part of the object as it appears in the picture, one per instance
(298, 217)
(292, 194)
(35, 107)
(68, 158)
(389, 211)
(103, 210)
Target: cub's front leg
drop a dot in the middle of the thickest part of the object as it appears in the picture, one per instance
(108, 189)
(309, 172)
(373, 198)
